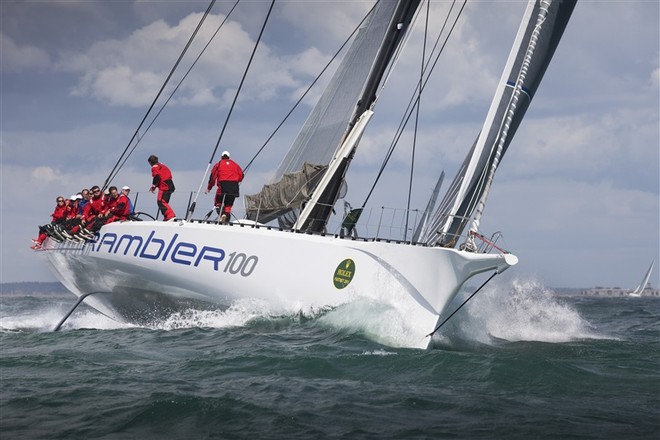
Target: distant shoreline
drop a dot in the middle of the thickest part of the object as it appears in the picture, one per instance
(31, 287)
(52, 288)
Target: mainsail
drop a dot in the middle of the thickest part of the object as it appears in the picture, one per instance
(351, 92)
(539, 34)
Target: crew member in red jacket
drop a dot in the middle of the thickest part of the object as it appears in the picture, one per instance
(93, 210)
(226, 174)
(118, 206)
(58, 216)
(162, 179)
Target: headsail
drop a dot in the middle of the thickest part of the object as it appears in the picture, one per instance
(638, 291)
(351, 92)
(541, 29)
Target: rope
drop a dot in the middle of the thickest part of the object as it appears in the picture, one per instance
(175, 89)
(414, 101)
(231, 109)
(169, 76)
(419, 101)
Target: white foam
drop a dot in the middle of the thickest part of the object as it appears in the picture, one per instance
(522, 310)
(45, 320)
(380, 352)
(239, 314)
(377, 321)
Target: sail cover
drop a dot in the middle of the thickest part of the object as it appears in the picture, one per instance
(539, 34)
(339, 106)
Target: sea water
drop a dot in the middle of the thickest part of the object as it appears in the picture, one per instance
(518, 361)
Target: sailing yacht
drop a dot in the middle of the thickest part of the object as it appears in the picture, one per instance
(644, 289)
(644, 285)
(282, 251)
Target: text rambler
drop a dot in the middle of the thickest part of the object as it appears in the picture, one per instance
(153, 248)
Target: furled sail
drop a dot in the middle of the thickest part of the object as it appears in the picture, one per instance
(350, 93)
(541, 29)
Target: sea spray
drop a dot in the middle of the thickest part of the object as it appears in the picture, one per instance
(43, 313)
(237, 315)
(521, 310)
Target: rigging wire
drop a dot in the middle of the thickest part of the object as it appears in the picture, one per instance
(414, 101)
(419, 100)
(231, 109)
(318, 77)
(169, 76)
(175, 90)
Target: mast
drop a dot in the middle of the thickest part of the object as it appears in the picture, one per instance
(318, 210)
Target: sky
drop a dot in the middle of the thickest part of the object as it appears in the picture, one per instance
(576, 197)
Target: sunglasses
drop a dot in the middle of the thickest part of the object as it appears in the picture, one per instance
(60, 201)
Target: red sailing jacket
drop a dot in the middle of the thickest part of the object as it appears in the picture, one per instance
(60, 212)
(225, 170)
(93, 208)
(72, 209)
(120, 207)
(109, 204)
(162, 177)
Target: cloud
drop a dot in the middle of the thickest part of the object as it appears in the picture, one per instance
(130, 71)
(17, 58)
(119, 85)
(655, 78)
(45, 175)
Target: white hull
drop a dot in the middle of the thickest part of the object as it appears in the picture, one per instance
(147, 270)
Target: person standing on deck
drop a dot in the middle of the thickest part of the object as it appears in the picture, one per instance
(162, 179)
(227, 175)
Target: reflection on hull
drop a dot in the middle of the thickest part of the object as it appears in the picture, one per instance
(146, 307)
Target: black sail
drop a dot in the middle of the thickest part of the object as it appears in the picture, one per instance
(351, 92)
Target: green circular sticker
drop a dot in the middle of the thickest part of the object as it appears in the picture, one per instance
(344, 273)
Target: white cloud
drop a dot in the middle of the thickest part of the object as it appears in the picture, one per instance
(44, 175)
(655, 78)
(130, 71)
(119, 85)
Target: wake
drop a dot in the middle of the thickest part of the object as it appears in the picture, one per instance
(521, 309)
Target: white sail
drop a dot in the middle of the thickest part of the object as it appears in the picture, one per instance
(640, 289)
